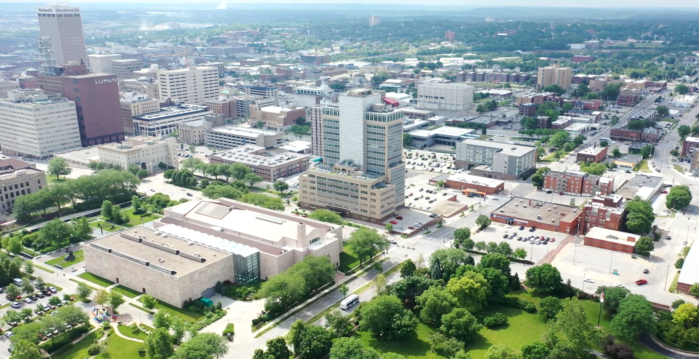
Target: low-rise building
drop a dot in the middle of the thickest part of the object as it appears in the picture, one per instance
(684, 101)
(694, 167)
(611, 239)
(527, 109)
(592, 154)
(495, 160)
(269, 167)
(689, 146)
(561, 123)
(532, 213)
(464, 181)
(276, 118)
(578, 183)
(689, 275)
(233, 136)
(146, 152)
(596, 214)
(446, 135)
(649, 134)
(643, 186)
(628, 162)
(135, 104)
(628, 97)
(18, 178)
(165, 121)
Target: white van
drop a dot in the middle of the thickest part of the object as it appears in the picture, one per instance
(17, 281)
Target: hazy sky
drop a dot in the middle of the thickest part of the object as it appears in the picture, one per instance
(477, 3)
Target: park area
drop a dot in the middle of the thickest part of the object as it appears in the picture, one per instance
(76, 257)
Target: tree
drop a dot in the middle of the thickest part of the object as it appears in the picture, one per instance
(676, 304)
(283, 288)
(504, 249)
(407, 269)
(663, 111)
(445, 346)
(460, 324)
(483, 221)
(436, 270)
(116, 299)
(84, 290)
(496, 261)
(162, 320)
(406, 139)
(133, 168)
(462, 234)
(179, 329)
(326, 215)
(594, 168)
(210, 345)
(685, 315)
(159, 344)
(142, 174)
(107, 210)
(635, 317)
(315, 342)
(27, 287)
(644, 246)
(684, 131)
(340, 325)
(101, 296)
(344, 289)
(239, 171)
(502, 351)
(612, 297)
(603, 143)
(12, 291)
(558, 90)
(536, 350)
(640, 217)
(380, 283)
(345, 348)
(148, 301)
(13, 244)
(386, 319)
(538, 176)
(682, 89)
(544, 278)
(570, 332)
(434, 303)
(694, 289)
(366, 242)
(549, 307)
(315, 271)
(616, 153)
(24, 349)
(471, 291)
(678, 198)
(519, 253)
(281, 186)
(58, 167)
(251, 179)
(277, 349)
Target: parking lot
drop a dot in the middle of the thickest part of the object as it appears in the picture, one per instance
(535, 252)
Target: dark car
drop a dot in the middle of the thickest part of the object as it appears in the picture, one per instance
(189, 194)
(521, 228)
(646, 271)
(532, 229)
(504, 236)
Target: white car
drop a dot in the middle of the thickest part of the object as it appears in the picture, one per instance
(589, 280)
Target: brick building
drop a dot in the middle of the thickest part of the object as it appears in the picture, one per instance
(611, 239)
(527, 109)
(592, 154)
(532, 213)
(463, 181)
(628, 97)
(651, 135)
(596, 214)
(578, 183)
(688, 146)
(689, 275)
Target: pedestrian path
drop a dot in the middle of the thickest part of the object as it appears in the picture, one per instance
(115, 327)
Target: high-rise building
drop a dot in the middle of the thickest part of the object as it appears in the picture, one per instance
(555, 75)
(134, 104)
(123, 69)
(36, 125)
(439, 96)
(193, 85)
(450, 35)
(374, 20)
(363, 174)
(63, 25)
(102, 63)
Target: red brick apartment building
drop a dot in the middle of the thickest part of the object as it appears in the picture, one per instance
(648, 135)
(689, 144)
(578, 183)
(611, 240)
(628, 97)
(598, 215)
(592, 154)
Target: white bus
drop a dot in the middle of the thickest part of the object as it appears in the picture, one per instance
(605, 139)
(349, 301)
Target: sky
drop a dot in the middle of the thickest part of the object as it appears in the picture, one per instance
(469, 3)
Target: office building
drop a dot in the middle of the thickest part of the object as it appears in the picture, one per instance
(374, 20)
(102, 63)
(269, 167)
(193, 132)
(450, 35)
(263, 91)
(165, 121)
(36, 125)
(578, 183)
(542, 215)
(123, 69)
(276, 118)
(495, 160)
(226, 50)
(193, 85)
(234, 136)
(439, 96)
(135, 104)
(227, 107)
(363, 174)
(555, 75)
(628, 97)
(143, 85)
(18, 178)
(611, 239)
(146, 152)
(592, 154)
(63, 25)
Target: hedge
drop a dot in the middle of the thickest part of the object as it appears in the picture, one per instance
(523, 261)
(64, 339)
(230, 329)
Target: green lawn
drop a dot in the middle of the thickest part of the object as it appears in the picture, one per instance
(43, 268)
(126, 291)
(52, 179)
(182, 313)
(128, 332)
(135, 219)
(96, 279)
(412, 348)
(106, 226)
(79, 257)
(79, 350)
(678, 168)
(643, 166)
(121, 348)
(347, 260)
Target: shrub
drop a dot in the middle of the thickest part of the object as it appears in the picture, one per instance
(495, 320)
(529, 307)
(142, 351)
(230, 328)
(63, 340)
(94, 349)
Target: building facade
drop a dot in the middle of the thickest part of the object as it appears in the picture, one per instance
(542, 215)
(165, 121)
(123, 69)
(102, 63)
(363, 173)
(599, 215)
(495, 160)
(269, 167)
(611, 240)
(628, 97)
(689, 146)
(578, 183)
(232, 137)
(135, 104)
(145, 152)
(18, 178)
(36, 125)
(592, 154)
(555, 75)
(193, 85)
(276, 118)
(439, 96)
(63, 25)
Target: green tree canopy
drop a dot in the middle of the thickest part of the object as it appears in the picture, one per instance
(385, 318)
(544, 278)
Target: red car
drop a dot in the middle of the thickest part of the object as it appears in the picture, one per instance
(394, 222)
(641, 282)
(399, 217)
(664, 192)
(411, 227)
(560, 193)
(553, 239)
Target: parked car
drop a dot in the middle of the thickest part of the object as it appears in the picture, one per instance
(28, 300)
(532, 229)
(641, 282)
(521, 228)
(589, 280)
(394, 222)
(53, 289)
(646, 271)
(15, 305)
(399, 217)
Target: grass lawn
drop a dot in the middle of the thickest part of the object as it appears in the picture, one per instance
(413, 347)
(43, 268)
(643, 166)
(128, 332)
(106, 226)
(79, 350)
(182, 313)
(96, 279)
(347, 260)
(53, 179)
(678, 168)
(79, 257)
(121, 348)
(135, 219)
(126, 291)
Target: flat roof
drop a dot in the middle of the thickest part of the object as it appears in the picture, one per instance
(132, 143)
(247, 154)
(442, 131)
(690, 268)
(81, 155)
(159, 250)
(506, 148)
(609, 235)
(243, 131)
(296, 146)
(536, 211)
(477, 180)
(577, 126)
(630, 158)
(172, 111)
(641, 185)
(592, 150)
